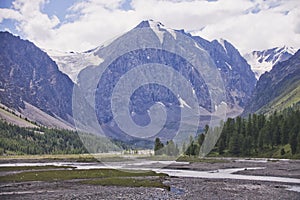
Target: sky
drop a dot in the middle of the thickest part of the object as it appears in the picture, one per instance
(80, 25)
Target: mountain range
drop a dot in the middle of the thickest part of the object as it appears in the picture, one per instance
(263, 61)
(236, 73)
(40, 84)
(277, 89)
(130, 50)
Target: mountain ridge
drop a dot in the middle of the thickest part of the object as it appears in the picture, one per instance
(277, 89)
(264, 60)
(228, 63)
(36, 86)
(143, 49)
(28, 76)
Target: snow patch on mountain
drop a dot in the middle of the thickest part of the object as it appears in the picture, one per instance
(222, 43)
(196, 45)
(157, 30)
(160, 29)
(229, 66)
(263, 61)
(71, 63)
(183, 103)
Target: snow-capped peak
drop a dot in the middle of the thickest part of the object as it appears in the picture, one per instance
(153, 23)
(158, 28)
(289, 50)
(262, 61)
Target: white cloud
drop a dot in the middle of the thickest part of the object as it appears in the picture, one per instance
(265, 29)
(35, 25)
(9, 14)
(248, 24)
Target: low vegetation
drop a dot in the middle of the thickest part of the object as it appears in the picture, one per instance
(55, 175)
(186, 158)
(105, 177)
(24, 168)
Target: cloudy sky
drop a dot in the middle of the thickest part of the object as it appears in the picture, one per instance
(79, 25)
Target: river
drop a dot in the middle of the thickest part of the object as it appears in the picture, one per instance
(154, 166)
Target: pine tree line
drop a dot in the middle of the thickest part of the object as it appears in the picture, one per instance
(170, 149)
(18, 140)
(256, 135)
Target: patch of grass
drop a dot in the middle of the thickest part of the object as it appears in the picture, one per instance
(112, 159)
(47, 156)
(12, 117)
(275, 153)
(197, 159)
(214, 153)
(285, 100)
(69, 157)
(127, 182)
(56, 175)
(287, 150)
(79, 158)
(24, 168)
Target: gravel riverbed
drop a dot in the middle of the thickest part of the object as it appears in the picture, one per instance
(181, 187)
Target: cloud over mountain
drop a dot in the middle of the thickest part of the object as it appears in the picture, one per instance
(249, 24)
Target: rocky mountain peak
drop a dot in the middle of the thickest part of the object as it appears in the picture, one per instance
(263, 61)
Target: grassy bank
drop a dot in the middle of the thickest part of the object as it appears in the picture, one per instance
(105, 157)
(185, 158)
(105, 177)
(25, 168)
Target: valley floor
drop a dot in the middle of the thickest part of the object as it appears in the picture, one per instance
(180, 187)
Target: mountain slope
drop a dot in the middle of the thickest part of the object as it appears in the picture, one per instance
(124, 55)
(236, 73)
(238, 78)
(278, 88)
(262, 61)
(30, 80)
(13, 117)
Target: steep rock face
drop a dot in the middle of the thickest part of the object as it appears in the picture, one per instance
(155, 70)
(263, 61)
(28, 74)
(278, 88)
(238, 78)
(97, 83)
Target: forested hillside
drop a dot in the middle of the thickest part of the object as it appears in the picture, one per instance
(276, 135)
(17, 140)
